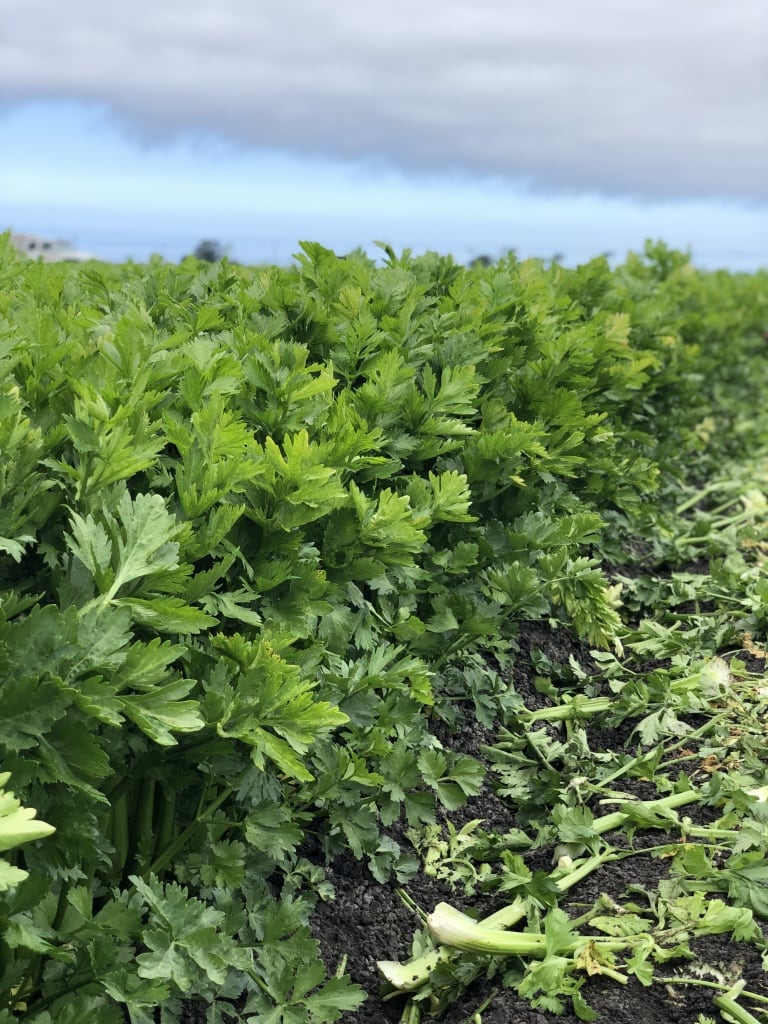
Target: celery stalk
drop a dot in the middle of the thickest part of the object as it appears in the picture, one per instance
(410, 976)
(609, 822)
(453, 928)
(576, 708)
(727, 1004)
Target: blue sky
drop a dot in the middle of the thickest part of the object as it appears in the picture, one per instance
(445, 143)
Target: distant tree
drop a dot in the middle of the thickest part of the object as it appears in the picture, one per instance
(484, 260)
(209, 250)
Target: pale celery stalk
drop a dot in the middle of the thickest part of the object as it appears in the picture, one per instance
(452, 928)
(610, 822)
(614, 820)
(575, 708)
(413, 975)
(735, 1012)
(731, 993)
(411, 1013)
(727, 1004)
(410, 976)
(456, 931)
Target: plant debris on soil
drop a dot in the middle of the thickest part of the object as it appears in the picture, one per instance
(367, 922)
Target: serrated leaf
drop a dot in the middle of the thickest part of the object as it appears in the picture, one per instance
(271, 698)
(21, 932)
(30, 707)
(271, 829)
(162, 711)
(621, 924)
(574, 824)
(335, 997)
(15, 546)
(166, 614)
(135, 541)
(91, 543)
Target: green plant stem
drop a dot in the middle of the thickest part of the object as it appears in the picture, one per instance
(120, 829)
(577, 708)
(565, 878)
(737, 1013)
(715, 485)
(412, 905)
(78, 982)
(411, 1013)
(477, 1016)
(508, 916)
(142, 822)
(614, 975)
(678, 980)
(713, 834)
(453, 648)
(167, 855)
(613, 821)
(61, 906)
(610, 822)
(166, 826)
(640, 758)
(533, 742)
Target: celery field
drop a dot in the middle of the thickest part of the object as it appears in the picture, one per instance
(383, 641)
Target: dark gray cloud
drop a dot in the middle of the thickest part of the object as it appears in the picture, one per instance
(645, 97)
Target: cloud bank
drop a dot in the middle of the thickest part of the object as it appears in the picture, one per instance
(644, 97)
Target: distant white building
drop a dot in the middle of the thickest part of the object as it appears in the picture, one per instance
(48, 249)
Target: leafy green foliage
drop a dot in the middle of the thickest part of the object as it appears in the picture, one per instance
(261, 528)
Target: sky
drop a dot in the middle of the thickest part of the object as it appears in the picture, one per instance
(465, 126)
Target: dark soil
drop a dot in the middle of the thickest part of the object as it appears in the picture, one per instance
(367, 921)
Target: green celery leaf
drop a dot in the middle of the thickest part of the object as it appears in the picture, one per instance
(574, 824)
(161, 712)
(134, 542)
(30, 708)
(331, 1000)
(271, 829)
(271, 698)
(166, 614)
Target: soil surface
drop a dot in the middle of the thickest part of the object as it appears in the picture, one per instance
(368, 921)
